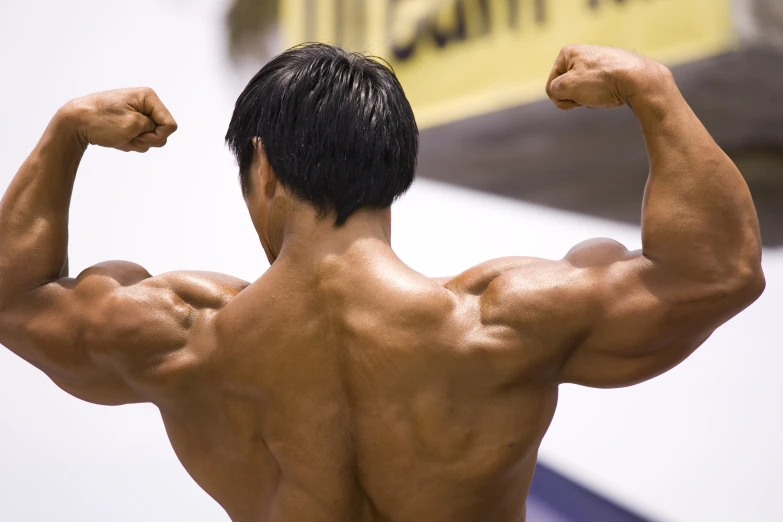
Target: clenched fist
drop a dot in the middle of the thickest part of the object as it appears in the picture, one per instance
(597, 77)
(124, 119)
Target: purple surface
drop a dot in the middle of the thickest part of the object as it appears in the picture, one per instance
(555, 498)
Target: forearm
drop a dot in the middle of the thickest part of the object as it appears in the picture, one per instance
(34, 211)
(698, 218)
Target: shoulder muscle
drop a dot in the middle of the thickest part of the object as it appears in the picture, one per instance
(108, 333)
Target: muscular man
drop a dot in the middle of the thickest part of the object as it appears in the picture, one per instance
(342, 385)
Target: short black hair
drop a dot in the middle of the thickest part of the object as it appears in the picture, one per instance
(336, 127)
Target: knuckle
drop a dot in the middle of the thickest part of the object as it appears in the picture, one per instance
(139, 120)
(560, 86)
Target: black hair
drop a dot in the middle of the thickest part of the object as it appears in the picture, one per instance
(336, 127)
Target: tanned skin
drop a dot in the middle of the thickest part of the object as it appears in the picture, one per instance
(344, 386)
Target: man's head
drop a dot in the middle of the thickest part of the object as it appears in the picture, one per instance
(325, 127)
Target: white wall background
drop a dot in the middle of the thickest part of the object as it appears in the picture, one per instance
(702, 443)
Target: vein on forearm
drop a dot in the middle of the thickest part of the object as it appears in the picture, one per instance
(34, 213)
(698, 216)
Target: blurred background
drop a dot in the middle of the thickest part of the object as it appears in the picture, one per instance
(502, 172)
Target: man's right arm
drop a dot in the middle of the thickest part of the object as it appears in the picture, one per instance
(613, 317)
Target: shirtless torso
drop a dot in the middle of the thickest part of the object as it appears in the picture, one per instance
(378, 404)
(344, 386)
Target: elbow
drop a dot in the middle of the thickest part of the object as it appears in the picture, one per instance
(746, 285)
(730, 290)
(754, 283)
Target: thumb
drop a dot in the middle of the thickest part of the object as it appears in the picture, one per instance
(141, 124)
(561, 87)
(562, 92)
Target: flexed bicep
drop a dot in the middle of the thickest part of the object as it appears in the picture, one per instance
(604, 316)
(110, 334)
(634, 319)
(635, 315)
(630, 327)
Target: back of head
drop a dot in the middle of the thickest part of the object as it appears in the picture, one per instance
(336, 128)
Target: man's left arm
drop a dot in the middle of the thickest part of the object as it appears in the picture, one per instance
(93, 335)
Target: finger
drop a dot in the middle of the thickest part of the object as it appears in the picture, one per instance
(567, 105)
(141, 124)
(130, 147)
(164, 121)
(561, 88)
(149, 139)
(558, 69)
(561, 92)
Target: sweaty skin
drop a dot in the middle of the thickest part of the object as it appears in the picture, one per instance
(344, 386)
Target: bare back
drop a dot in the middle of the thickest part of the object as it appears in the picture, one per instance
(363, 393)
(344, 386)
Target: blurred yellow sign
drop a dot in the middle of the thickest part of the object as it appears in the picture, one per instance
(459, 58)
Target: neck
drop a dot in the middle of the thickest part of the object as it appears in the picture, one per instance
(307, 239)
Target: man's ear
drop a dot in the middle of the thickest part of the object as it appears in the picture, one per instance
(266, 176)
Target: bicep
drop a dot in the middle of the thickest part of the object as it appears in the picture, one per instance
(634, 320)
(102, 335)
(604, 316)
